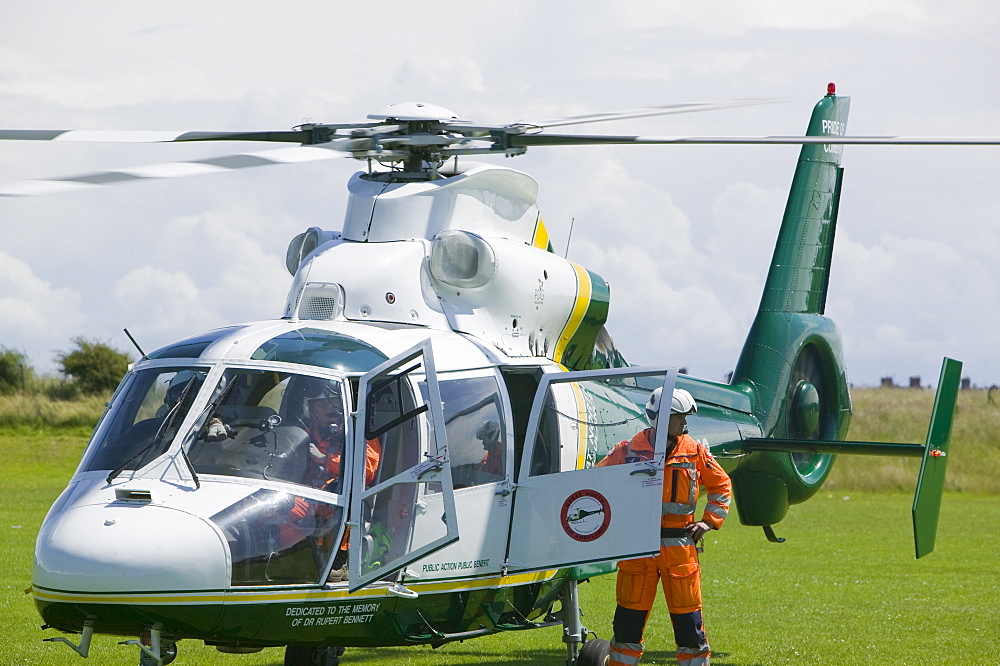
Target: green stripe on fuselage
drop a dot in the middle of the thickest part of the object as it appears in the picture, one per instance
(579, 351)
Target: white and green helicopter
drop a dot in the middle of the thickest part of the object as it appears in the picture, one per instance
(407, 454)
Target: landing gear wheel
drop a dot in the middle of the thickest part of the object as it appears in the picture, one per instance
(168, 652)
(595, 652)
(309, 655)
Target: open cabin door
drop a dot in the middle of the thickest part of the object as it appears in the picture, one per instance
(400, 421)
(567, 511)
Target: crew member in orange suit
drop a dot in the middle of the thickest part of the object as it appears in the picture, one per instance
(689, 465)
(326, 447)
(326, 450)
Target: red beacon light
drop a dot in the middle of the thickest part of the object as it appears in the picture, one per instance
(831, 88)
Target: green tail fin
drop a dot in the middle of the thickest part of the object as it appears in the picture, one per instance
(792, 364)
(800, 268)
(790, 316)
(930, 483)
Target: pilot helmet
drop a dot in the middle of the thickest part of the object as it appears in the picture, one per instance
(489, 431)
(177, 384)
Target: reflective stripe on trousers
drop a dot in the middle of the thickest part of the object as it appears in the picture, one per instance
(692, 660)
(625, 654)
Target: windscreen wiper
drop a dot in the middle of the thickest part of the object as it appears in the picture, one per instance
(212, 406)
(210, 410)
(160, 432)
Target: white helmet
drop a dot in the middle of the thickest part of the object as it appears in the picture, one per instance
(681, 403)
(489, 431)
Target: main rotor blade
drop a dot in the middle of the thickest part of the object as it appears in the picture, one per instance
(308, 134)
(148, 136)
(528, 140)
(23, 188)
(666, 109)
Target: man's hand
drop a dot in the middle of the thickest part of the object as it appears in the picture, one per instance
(698, 530)
(316, 454)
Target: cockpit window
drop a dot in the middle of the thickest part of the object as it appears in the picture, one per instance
(325, 349)
(191, 347)
(277, 538)
(276, 426)
(144, 418)
(257, 424)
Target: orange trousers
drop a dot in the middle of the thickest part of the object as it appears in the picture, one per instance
(677, 571)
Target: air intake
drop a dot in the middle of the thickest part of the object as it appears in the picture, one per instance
(462, 259)
(320, 300)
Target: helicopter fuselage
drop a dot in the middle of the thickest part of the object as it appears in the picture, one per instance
(231, 538)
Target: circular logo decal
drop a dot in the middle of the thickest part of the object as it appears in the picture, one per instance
(586, 515)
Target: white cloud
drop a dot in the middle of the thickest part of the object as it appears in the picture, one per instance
(440, 72)
(35, 316)
(161, 299)
(732, 17)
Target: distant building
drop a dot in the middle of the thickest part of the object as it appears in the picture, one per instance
(915, 382)
(887, 382)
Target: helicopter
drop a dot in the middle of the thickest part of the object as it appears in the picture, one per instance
(461, 381)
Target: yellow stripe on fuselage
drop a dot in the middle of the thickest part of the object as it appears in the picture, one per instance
(583, 291)
(581, 418)
(168, 599)
(541, 238)
(250, 596)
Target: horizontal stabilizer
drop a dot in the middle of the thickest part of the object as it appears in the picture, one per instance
(930, 483)
(934, 455)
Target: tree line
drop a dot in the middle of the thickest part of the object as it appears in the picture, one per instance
(90, 367)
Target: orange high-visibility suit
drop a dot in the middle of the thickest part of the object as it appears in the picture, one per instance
(689, 465)
(325, 476)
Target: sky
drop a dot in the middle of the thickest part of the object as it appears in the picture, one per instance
(683, 234)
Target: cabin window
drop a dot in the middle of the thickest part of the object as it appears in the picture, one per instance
(325, 349)
(477, 433)
(192, 347)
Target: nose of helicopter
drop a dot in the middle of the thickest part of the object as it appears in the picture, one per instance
(120, 548)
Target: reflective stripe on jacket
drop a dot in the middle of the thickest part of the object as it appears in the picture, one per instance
(689, 466)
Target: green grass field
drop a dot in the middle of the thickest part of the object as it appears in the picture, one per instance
(843, 589)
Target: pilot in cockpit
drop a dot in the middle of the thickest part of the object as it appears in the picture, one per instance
(326, 437)
(183, 383)
(325, 426)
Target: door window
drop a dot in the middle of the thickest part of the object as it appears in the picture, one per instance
(400, 414)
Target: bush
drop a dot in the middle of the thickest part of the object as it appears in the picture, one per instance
(15, 371)
(95, 366)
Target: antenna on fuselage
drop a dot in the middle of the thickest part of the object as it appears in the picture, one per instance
(136, 344)
(569, 237)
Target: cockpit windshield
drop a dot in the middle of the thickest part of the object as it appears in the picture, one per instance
(276, 426)
(259, 424)
(144, 418)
